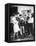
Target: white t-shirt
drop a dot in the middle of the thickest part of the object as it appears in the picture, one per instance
(31, 20)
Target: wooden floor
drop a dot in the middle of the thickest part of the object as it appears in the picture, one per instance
(26, 38)
(29, 37)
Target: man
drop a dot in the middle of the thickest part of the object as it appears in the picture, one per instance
(30, 23)
(24, 13)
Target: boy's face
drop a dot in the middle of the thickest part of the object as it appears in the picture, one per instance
(29, 14)
(25, 14)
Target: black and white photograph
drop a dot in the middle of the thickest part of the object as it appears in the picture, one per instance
(19, 22)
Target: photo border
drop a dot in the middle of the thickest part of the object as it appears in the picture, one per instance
(9, 4)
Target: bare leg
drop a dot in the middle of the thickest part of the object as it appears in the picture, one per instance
(23, 30)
